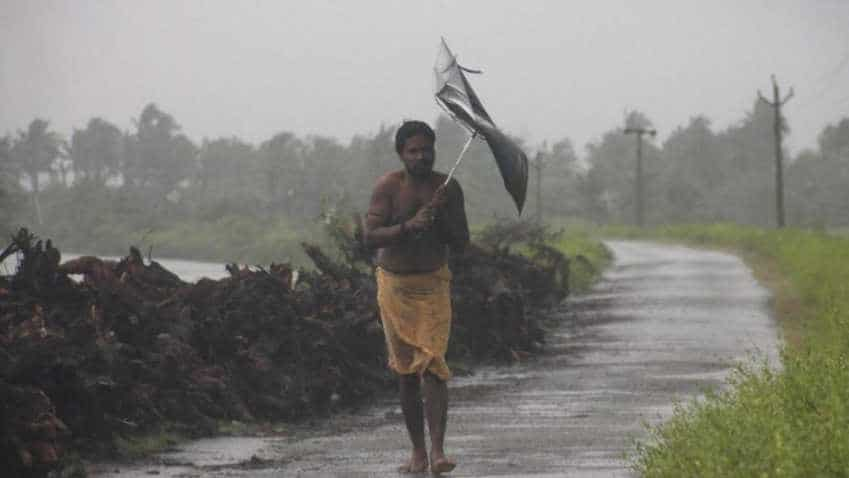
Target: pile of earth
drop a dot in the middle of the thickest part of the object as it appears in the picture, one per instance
(131, 347)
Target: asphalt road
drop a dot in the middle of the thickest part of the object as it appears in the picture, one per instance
(664, 324)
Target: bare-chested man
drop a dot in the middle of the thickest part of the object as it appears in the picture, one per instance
(414, 221)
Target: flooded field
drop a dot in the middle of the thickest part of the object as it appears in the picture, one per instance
(189, 271)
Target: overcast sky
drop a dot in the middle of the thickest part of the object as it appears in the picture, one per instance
(340, 68)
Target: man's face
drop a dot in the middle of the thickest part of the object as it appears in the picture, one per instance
(418, 156)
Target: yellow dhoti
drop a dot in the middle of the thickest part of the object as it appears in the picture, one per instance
(416, 313)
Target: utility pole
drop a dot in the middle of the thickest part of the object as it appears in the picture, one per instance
(539, 164)
(639, 132)
(776, 104)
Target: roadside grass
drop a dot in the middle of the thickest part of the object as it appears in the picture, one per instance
(790, 422)
(588, 257)
(140, 445)
(578, 241)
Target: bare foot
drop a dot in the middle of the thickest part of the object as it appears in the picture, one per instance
(442, 465)
(411, 467)
(417, 464)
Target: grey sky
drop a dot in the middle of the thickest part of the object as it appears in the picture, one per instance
(339, 68)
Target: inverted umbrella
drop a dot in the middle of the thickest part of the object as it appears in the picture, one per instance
(456, 96)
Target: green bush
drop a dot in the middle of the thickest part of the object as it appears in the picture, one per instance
(587, 257)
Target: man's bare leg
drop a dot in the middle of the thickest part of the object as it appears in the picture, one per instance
(436, 412)
(411, 405)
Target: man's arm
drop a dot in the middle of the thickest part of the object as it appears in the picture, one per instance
(378, 232)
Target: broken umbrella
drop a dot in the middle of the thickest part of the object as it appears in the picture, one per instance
(456, 96)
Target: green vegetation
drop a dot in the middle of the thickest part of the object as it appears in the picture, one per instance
(142, 445)
(229, 239)
(242, 239)
(794, 422)
(587, 257)
(101, 186)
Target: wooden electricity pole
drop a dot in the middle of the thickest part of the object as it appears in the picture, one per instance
(776, 104)
(638, 200)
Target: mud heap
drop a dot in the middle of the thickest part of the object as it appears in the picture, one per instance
(131, 347)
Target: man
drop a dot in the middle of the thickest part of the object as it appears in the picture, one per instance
(414, 220)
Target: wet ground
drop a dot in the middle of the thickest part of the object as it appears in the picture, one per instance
(664, 324)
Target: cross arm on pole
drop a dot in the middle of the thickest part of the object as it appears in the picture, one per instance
(763, 98)
(640, 131)
(788, 96)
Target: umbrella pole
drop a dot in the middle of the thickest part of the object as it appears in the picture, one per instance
(460, 158)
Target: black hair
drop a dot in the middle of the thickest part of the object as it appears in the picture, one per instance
(410, 129)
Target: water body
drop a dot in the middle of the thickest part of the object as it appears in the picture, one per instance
(189, 271)
(663, 324)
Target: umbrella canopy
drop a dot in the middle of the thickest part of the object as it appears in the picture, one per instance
(456, 96)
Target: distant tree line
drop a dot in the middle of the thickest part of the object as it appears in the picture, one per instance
(702, 175)
(153, 175)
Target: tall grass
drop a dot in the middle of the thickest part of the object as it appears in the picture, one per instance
(794, 422)
(587, 257)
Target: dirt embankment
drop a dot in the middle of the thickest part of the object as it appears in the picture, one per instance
(132, 347)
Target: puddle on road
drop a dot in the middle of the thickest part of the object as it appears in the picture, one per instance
(219, 451)
(592, 393)
(184, 461)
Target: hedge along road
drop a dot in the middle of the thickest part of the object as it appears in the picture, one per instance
(664, 323)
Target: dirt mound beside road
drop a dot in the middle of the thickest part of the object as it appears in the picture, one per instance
(132, 347)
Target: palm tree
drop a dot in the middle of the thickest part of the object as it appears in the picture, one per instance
(34, 151)
(97, 150)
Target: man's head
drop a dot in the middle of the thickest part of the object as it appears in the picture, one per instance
(410, 129)
(414, 144)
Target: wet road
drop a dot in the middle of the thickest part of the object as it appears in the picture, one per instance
(663, 324)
